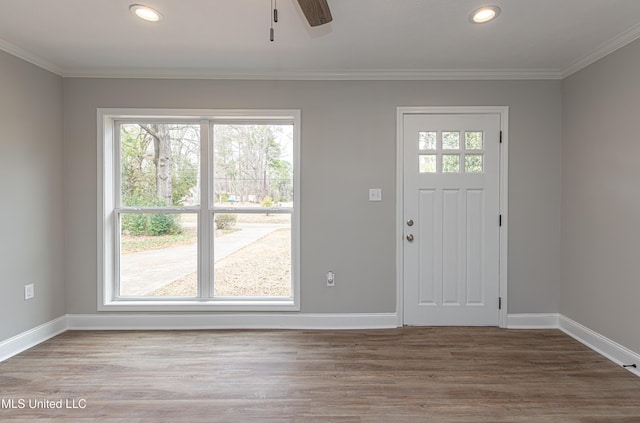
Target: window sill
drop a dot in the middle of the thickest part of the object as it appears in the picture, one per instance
(194, 305)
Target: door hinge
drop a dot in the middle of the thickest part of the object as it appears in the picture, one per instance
(500, 137)
(499, 303)
(499, 220)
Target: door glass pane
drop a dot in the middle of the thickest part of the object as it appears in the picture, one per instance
(252, 255)
(473, 163)
(159, 164)
(253, 165)
(473, 140)
(450, 163)
(427, 140)
(158, 254)
(427, 163)
(450, 140)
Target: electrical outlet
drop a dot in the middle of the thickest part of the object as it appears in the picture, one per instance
(331, 278)
(29, 292)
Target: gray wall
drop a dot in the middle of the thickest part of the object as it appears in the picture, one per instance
(600, 197)
(348, 146)
(31, 193)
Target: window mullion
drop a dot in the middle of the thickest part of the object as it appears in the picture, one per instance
(167, 210)
(117, 163)
(254, 210)
(117, 215)
(204, 218)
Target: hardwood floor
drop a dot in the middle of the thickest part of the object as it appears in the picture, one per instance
(395, 375)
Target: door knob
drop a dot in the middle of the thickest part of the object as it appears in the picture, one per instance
(410, 237)
(410, 222)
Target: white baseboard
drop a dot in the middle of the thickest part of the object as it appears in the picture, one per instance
(112, 321)
(600, 344)
(533, 321)
(597, 342)
(32, 337)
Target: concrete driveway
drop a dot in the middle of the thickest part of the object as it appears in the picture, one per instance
(145, 271)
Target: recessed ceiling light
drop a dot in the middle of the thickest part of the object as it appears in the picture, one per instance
(485, 14)
(145, 12)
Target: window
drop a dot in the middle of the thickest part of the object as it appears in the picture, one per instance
(444, 152)
(198, 210)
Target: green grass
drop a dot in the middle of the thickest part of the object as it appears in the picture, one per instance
(133, 244)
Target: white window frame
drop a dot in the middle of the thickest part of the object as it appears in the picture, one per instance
(108, 189)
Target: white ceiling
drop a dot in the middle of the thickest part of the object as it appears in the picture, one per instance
(368, 39)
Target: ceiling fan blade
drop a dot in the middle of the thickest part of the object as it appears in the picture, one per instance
(316, 11)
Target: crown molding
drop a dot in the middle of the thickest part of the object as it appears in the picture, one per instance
(331, 75)
(603, 50)
(29, 57)
(295, 74)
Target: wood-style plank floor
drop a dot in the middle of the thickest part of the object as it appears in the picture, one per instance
(395, 375)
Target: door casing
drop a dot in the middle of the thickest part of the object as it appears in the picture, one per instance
(503, 111)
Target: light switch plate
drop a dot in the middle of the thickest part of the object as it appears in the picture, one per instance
(375, 194)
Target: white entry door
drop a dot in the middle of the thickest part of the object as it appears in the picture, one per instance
(451, 219)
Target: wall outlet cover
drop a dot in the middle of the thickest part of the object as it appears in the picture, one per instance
(29, 292)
